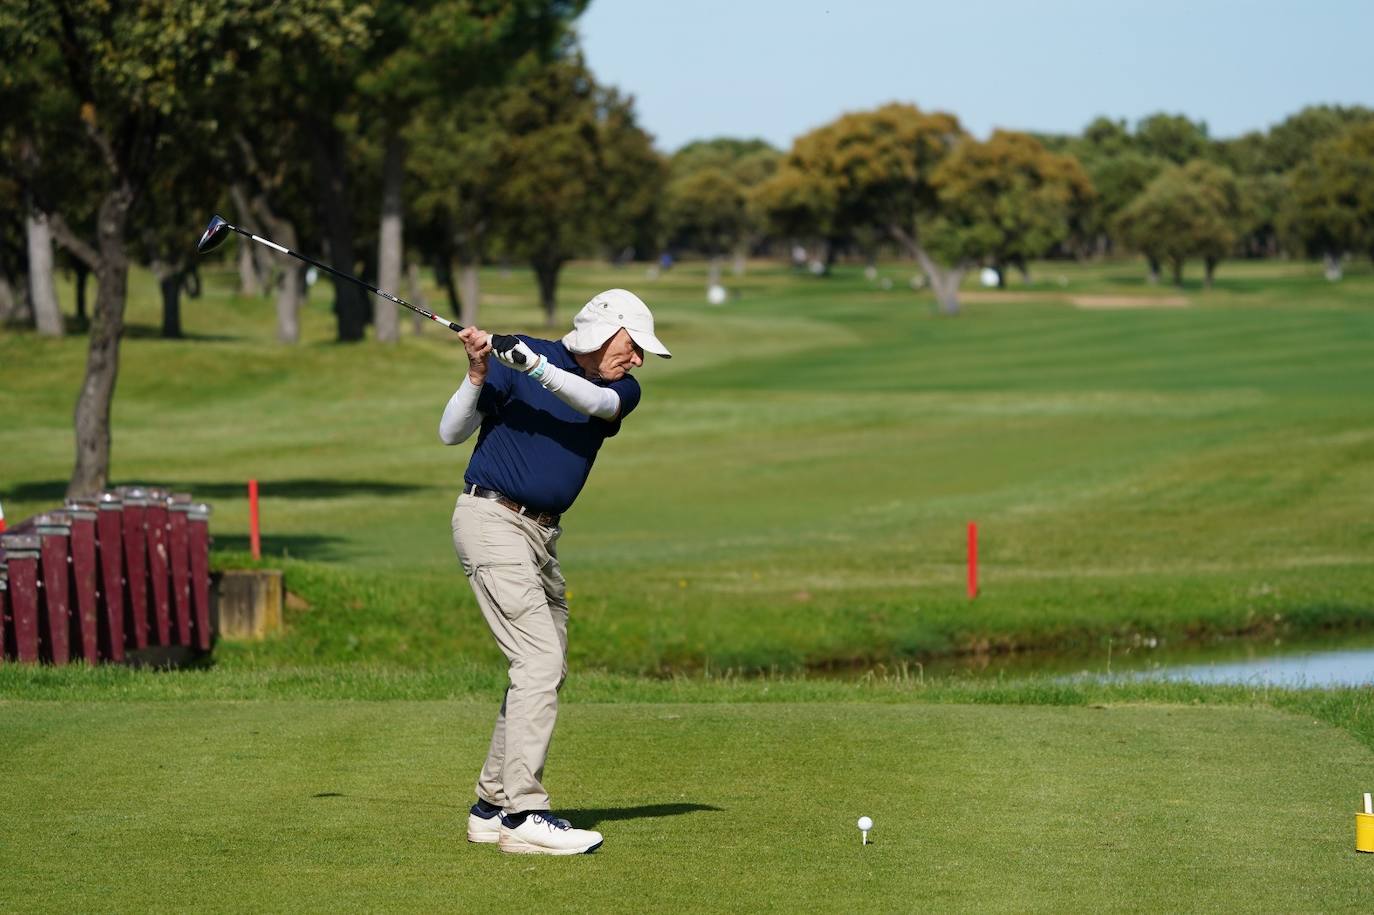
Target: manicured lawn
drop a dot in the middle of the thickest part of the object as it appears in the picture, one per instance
(796, 486)
(318, 805)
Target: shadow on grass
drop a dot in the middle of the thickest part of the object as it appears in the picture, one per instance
(299, 488)
(592, 816)
(321, 547)
(154, 332)
(582, 819)
(390, 801)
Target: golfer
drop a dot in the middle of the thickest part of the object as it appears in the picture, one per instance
(542, 420)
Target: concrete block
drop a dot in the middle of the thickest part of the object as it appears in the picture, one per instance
(249, 603)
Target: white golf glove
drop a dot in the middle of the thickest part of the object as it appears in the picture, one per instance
(507, 357)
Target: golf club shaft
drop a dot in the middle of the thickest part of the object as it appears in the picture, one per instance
(502, 341)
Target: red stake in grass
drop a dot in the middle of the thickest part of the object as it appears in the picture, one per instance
(972, 560)
(254, 540)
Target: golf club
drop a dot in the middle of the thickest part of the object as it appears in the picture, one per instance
(217, 232)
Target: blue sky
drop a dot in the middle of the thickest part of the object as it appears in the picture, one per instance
(758, 68)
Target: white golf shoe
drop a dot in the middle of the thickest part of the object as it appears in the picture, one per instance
(484, 824)
(484, 828)
(542, 833)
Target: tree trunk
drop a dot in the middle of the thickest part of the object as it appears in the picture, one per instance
(385, 321)
(443, 275)
(170, 283)
(416, 291)
(741, 259)
(249, 287)
(546, 273)
(944, 281)
(469, 294)
(14, 307)
(290, 291)
(333, 196)
(1210, 267)
(42, 294)
(83, 273)
(92, 468)
(252, 269)
(1001, 276)
(1332, 267)
(1152, 266)
(1177, 268)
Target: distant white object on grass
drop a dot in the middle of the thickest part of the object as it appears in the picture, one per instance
(870, 273)
(885, 283)
(865, 824)
(988, 277)
(918, 281)
(716, 295)
(817, 267)
(311, 275)
(651, 272)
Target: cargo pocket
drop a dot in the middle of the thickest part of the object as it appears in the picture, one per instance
(512, 588)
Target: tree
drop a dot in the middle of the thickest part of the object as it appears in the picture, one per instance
(1188, 211)
(1292, 141)
(870, 170)
(743, 165)
(1330, 211)
(439, 49)
(706, 211)
(136, 73)
(579, 172)
(456, 160)
(1006, 201)
(1171, 136)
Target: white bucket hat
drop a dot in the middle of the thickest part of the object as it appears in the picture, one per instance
(605, 314)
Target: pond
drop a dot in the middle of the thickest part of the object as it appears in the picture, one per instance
(1331, 661)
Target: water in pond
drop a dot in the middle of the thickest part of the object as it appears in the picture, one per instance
(1334, 661)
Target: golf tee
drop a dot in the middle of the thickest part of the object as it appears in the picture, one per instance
(1369, 803)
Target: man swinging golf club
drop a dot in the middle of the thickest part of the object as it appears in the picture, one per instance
(544, 407)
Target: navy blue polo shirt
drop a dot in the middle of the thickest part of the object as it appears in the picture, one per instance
(533, 447)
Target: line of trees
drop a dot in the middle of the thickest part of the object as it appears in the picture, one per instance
(443, 134)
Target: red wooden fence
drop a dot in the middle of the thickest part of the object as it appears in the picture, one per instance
(98, 579)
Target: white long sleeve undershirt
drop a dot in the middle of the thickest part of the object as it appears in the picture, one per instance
(461, 417)
(579, 393)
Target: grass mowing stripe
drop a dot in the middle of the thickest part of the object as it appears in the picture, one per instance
(311, 806)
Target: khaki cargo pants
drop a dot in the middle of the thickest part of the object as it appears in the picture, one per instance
(512, 565)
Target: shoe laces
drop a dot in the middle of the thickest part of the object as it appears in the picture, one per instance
(552, 821)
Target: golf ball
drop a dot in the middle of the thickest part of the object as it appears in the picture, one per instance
(865, 823)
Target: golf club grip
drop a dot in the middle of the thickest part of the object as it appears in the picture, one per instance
(505, 343)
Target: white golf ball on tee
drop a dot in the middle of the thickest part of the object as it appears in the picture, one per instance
(865, 823)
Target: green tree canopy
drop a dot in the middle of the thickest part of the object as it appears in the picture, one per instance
(1330, 211)
(1172, 136)
(1006, 201)
(139, 74)
(1188, 211)
(579, 172)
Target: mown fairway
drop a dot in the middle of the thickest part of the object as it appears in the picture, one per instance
(320, 806)
(795, 488)
(793, 492)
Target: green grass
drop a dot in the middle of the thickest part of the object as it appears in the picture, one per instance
(319, 805)
(795, 488)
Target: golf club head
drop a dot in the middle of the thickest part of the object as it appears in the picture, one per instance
(215, 234)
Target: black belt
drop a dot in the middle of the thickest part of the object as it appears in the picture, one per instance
(548, 519)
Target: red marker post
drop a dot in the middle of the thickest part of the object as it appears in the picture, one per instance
(254, 539)
(972, 560)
